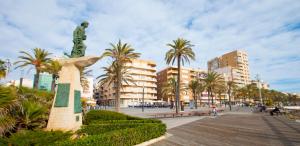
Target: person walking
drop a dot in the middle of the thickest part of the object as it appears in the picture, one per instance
(214, 110)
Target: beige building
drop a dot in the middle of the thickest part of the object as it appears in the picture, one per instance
(263, 84)
(187, 74)
(143, 73)
(233, 65)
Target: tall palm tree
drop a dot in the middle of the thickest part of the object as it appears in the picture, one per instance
(53, 67)
(181, 50)
(120, 55)
(212, 80)
(39, 58)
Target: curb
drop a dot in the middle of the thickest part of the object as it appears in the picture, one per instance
(146, 143)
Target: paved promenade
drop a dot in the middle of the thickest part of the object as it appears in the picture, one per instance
(240, 129)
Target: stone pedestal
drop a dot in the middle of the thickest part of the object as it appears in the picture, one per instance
(66, 108)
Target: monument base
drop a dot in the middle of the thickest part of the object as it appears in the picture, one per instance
(66, 112)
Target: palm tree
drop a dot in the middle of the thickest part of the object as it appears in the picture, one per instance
(83, 77)
(120, 55)
(196, 88)
(241, 93)
(220, 89)
(31, 115)
(110, 77)
(181, 50)
(38, 60)
(8, 103)
(230, 87)
(212, 80)
(53, 67)
(169, 88)
(23, 108)
(250, 91)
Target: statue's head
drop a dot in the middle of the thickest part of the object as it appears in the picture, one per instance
(85, 24)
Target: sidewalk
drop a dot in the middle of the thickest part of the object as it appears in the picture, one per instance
(235, 130)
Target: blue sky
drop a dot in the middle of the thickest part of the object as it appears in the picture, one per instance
(269, 30)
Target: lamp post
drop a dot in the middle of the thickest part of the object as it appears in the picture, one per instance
(143, 98)
(229, 89)
(177, 98)
(259, 88)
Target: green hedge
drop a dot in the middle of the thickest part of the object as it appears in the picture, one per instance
(124, 137)
(94, 129)
(102, 115)
(37, 138)
(105, 128)
(126, 121)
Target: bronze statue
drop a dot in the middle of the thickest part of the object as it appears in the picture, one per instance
(78, 38)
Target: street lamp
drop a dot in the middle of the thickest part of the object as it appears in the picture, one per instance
(259, 88)
(7, 65)
(143, 98)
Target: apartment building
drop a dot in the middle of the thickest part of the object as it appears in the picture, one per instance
(233, 65)
(187, 74)
(143, 73)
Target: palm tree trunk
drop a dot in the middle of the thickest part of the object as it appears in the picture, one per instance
(212, 98)
(200, 99)
(208, 95)
(229, 94)
(195, 99)
(178, 82)
(118, 92)
(36, 79)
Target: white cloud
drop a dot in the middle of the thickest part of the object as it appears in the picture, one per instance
(215, 27)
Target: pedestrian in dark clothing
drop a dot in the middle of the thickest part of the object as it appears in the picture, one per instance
(276, 110)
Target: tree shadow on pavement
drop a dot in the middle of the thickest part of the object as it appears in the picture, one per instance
(283, 139)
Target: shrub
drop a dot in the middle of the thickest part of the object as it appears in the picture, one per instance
(38, 93)
(95, 129)
(102, 115)
(3, 141)
(37, 138)
(126, 121)
(126, 137)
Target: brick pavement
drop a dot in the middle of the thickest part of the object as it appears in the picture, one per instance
(236, 129)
